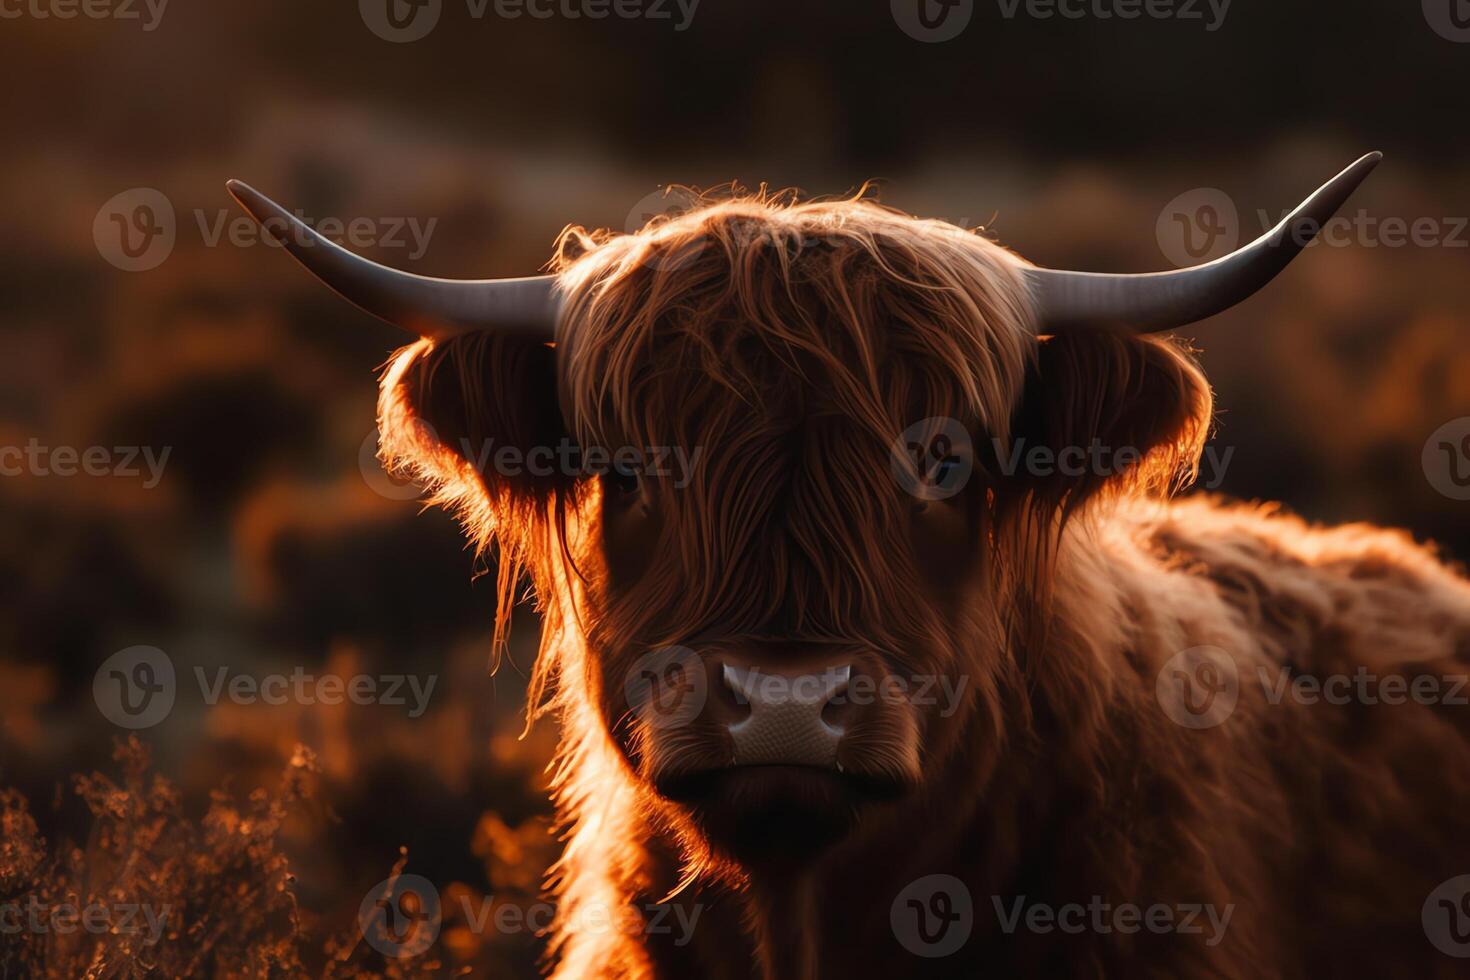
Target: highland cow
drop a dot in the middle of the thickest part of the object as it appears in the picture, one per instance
(874, 693)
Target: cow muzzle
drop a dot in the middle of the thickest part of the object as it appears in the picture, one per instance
(790, 718)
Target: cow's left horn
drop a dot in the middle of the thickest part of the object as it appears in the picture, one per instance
(436, 308)
(1162, 300)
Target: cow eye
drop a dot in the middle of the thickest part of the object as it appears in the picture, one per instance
(622, 479)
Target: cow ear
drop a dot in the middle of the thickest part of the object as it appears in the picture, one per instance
(1106, 410)
(482, 407)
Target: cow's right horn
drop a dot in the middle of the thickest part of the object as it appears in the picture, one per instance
(435, 308)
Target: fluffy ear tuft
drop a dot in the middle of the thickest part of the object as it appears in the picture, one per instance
(1108, 412)
(476, 420)
(480, 402)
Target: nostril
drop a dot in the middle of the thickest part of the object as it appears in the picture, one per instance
(735, 688)
(837, 709)
(838, 679)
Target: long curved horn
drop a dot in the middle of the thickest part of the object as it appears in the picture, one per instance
(1156, 301)
(436, 308)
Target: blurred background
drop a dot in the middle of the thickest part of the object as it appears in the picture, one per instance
(237, 519)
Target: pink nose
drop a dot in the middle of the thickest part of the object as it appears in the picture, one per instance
(785, 724)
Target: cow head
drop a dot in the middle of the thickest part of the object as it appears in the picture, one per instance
(758, 462)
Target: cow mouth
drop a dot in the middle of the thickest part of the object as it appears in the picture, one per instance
(706, 785)
(776, 814)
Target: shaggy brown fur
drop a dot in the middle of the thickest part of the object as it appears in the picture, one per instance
(792, 343)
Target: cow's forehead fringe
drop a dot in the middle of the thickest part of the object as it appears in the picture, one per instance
(885, 313)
